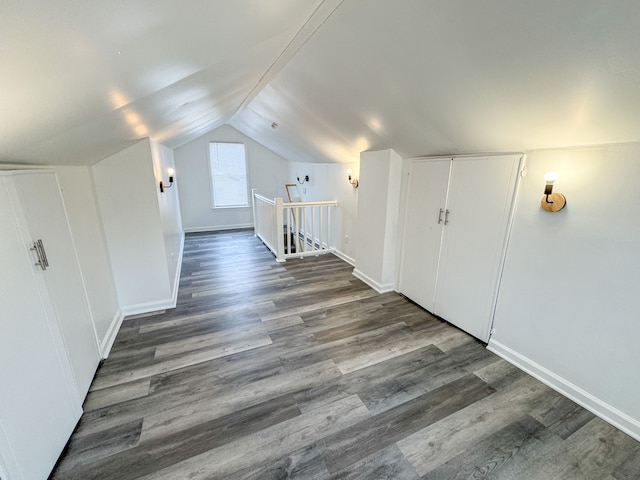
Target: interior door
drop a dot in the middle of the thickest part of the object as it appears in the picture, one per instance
(47, 220)
(424, 219)
(38, 404)
(481, 193)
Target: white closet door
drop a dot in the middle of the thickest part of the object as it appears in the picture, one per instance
(47, 220)
(481, 194)
(424, 219)
(38, 404)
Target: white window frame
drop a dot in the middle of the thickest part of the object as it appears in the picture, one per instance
(212, 176)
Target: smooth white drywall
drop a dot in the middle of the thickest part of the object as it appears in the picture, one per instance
(328, 181)
(169, 205)
(392, 220)
(376, 229)
(126, 192)
(86, 229)
(267, 172)
(568, 302)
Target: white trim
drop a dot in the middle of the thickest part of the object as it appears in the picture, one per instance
(345, 257)
(212, 180)
(148, 307)
(507, 239)
(92, 320)
(240, 226)
(110, 336)
(372, 283)
(600, 408)
(160, 304)
(176, 279)
(116, 323)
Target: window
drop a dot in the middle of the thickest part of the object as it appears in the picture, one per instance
(228, 175)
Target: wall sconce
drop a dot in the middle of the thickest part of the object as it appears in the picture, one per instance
(171, 172)
(305, 179)
(352, 181)
(552, 202)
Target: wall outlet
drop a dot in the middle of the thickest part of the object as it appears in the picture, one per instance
(346, 239)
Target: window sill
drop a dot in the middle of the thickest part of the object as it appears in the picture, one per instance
(231, 208)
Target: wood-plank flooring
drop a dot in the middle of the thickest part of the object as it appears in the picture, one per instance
(299, 370)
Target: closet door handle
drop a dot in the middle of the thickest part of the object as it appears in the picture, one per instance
(446, 216)
(43, 253)
(440, 216)
(38, 247)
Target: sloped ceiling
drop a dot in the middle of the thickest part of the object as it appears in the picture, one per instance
(82, 80)
(462, 76)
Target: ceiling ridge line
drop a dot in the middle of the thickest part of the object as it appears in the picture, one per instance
(319, 16)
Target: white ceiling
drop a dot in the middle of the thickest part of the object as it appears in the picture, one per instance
(80, 80)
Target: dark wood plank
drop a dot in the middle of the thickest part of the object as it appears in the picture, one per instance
(487, 458)
(373, 434)
(159, 453)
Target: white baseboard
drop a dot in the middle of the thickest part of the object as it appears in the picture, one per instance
(372, 283)
(176, 279)
(216, 228)
(346, 258)
(600, 408)
(139, 308)
(116, 323)
(110, 336)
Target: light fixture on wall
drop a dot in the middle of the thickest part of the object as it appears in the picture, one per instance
(352, 181)
(552, 202)
(171, 173)
(304, 179)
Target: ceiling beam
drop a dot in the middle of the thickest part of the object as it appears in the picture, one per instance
(315, 21)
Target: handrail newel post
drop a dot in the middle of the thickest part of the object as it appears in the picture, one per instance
(255, 217)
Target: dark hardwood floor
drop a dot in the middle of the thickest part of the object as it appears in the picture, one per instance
(299, 370)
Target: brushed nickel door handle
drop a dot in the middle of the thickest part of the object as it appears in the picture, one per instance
(38, 247)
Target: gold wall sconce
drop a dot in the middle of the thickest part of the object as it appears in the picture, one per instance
(171, 173)
(352, 181)
(552, 202)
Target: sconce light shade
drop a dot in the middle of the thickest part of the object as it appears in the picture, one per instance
(304, 179)
(171, 173)
(552, 202)
(352, 181)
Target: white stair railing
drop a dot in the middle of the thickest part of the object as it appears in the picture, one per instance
(264, 221)
(307, 228)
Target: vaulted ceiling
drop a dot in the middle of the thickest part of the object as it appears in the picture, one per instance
(80, 80)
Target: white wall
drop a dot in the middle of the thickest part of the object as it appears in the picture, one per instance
(126, 191)
(169, 205)
(86, 229)
(378, 218)
(568, 309)
(267, 172)
(329, 182)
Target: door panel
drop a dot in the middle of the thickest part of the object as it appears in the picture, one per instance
(38, 400)
(426, 196)
(47, 220)
(480, 197)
